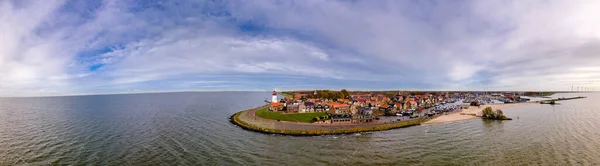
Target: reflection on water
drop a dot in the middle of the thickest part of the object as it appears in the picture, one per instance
(193, 129)
(492, 125)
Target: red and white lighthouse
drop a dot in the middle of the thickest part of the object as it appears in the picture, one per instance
(274, 98)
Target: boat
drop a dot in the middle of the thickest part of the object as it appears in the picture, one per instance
(405, 113)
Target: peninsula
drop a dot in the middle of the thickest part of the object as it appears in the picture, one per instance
(320, 112)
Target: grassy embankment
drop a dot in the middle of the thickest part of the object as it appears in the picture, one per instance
(299, 117)
(288, 95)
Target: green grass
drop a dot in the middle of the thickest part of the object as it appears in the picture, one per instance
(286, 94)
(299, 117)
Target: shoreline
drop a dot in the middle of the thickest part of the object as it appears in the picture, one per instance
(248, 120)
(473, 112)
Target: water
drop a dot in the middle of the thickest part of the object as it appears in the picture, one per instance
(193, 129)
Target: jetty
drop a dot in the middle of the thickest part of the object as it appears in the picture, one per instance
(553, 101)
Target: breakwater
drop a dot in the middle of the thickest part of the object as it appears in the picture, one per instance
(553, 101)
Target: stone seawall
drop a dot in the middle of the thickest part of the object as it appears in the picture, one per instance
(247, 120)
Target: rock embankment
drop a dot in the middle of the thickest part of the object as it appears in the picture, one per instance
(248, 120)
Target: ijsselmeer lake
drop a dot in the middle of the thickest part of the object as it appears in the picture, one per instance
(194, 129)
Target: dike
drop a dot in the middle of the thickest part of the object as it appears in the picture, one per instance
(334, 130)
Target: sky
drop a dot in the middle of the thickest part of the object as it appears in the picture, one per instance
(126, 46)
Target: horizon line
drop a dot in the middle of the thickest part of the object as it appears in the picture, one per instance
(203, 91)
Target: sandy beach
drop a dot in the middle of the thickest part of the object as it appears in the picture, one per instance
(456, 116)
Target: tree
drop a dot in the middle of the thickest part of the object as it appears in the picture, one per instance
(488, 113)
(500, 114)
(345, 93)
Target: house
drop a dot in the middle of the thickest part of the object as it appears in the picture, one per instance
(365, 111)
(299, 96)
(309, 107)
(293, 108)
(301, 107)
(364, 115)
(276, 107)
(391, 107)
(398, 105)
(413, 104)
(440, 99)
(341, 118)
(319, 108)
(345, 101)
(340, 108)
(383, 107)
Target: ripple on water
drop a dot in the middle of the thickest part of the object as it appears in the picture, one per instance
(193, 129)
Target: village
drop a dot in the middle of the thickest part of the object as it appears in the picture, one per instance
(366, 107)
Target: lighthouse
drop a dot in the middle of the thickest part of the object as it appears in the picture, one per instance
(274, 98)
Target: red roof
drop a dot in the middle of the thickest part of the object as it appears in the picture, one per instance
(297, 96)
(276, 104)
(343, 100)
(383, 105)
(338, 105)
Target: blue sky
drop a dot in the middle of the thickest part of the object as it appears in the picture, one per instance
(123, 46)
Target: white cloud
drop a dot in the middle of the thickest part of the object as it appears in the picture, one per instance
(461, 72)
(41, 43)
(500, 39)
(25, 57)
(221, 54)
(512, 45)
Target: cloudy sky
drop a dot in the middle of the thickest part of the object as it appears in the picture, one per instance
(122, 46)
